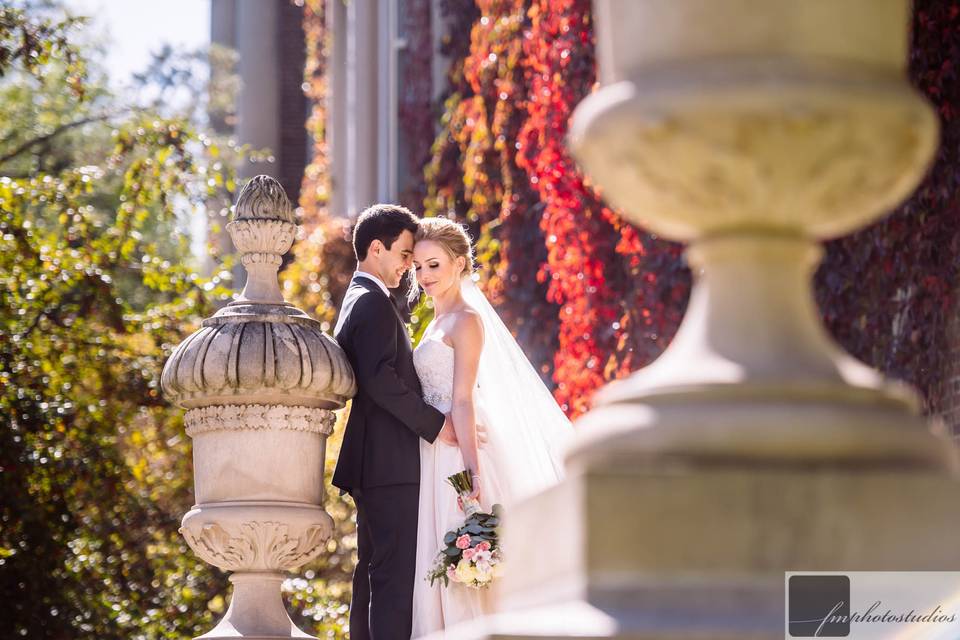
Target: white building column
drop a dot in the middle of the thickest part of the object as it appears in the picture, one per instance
(257, 102)
(335, 17)
(362, 106)
(362, 119)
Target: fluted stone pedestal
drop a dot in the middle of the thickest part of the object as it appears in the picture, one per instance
(677, 551)
(256, 610)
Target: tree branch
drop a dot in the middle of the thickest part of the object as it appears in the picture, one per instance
(29, 144)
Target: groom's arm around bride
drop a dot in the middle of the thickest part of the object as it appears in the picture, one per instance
(392, 403)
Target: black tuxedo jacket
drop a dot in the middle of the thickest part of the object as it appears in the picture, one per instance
(381, 442)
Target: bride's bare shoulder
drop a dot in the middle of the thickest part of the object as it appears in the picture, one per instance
(467, 327)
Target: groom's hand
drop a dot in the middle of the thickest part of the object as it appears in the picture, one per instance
(447, 435)
(481, 435)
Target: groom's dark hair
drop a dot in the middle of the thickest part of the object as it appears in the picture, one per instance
(383, 222)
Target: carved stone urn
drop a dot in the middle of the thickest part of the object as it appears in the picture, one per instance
(260, 382)
(752, 131)
(754, 445)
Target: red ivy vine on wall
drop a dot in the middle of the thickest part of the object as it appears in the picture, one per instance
(474, 177)
(621, 291)
(611, 296)
(579, 230)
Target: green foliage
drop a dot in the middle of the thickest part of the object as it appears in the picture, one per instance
(34, 44)
(97, 286)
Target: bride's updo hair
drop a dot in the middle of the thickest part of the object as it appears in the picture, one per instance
(449, 235)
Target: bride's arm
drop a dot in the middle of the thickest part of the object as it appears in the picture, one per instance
(467, 336)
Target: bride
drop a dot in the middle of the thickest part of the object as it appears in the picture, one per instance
(471, 367)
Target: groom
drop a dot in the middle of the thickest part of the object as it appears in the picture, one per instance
(379, 463)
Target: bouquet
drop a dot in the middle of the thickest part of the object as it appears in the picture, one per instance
(471, 553)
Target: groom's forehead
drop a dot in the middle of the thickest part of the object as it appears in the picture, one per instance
(404, 242)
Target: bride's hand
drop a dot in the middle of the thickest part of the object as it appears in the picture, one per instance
(475, 494)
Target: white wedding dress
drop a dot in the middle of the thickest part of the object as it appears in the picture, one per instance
(437, 607)
(526, 435)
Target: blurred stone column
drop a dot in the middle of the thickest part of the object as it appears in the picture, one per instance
(260, 382)
(753, 445)
(258, 53)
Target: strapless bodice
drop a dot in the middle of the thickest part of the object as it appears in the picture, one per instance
(434, 359)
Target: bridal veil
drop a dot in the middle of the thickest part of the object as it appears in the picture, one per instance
(526, 429)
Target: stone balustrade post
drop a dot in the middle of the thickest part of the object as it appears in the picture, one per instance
(754, 445)
(260, 382)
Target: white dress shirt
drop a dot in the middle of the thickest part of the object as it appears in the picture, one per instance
(370, 276)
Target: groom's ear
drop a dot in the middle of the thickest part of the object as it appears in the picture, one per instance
(375, 247)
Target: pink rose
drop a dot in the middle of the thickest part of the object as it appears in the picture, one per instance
(468, 553)
(452, 571)
(463, 542)
(483, 546)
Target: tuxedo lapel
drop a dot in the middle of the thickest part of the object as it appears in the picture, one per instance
(396, 310)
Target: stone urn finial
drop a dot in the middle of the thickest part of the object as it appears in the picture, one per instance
(260, 381)
(262, 230)
(263, 198)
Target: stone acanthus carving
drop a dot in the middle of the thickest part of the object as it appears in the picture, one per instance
(258, 417)
(258, 239)
(252, 353)
(255, 545)
(259, 345)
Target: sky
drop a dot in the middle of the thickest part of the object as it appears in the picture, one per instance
(131, 29)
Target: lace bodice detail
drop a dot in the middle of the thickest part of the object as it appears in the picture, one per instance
(433, 359)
